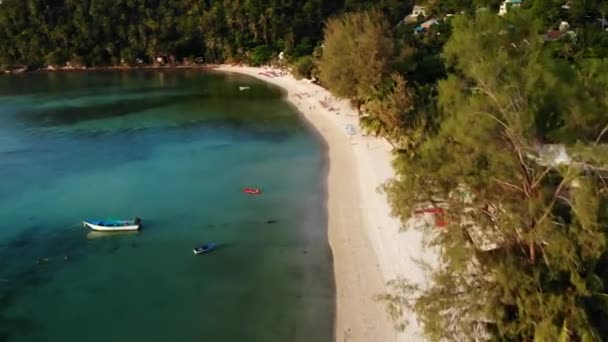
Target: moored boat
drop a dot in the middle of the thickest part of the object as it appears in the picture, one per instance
(113, 225)
(204, 248)
(252, 191)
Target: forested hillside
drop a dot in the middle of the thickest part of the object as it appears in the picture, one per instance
(112, 32)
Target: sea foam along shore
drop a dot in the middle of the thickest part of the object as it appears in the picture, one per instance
(367, 245)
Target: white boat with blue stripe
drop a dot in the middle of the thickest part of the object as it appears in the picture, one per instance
(113, 225)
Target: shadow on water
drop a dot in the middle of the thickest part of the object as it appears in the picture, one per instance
(32, 257)
(98, 150)
(95, 235)
(14, 326)
(220, 247)
(69, 115)
(260, 223)
(324, 189)
(33, 84)
(29, 260)
(112, 242)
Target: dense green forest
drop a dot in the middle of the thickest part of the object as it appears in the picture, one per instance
(477, 106)
(113, 32)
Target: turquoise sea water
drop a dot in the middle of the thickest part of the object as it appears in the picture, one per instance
(174, 148)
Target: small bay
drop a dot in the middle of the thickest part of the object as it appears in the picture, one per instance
(174, 148)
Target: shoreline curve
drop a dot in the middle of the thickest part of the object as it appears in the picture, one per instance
(368, 247)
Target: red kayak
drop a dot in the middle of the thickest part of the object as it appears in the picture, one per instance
(252, 191)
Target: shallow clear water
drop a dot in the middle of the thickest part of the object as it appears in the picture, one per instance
(174, 148)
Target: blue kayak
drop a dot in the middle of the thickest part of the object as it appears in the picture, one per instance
(208, 247)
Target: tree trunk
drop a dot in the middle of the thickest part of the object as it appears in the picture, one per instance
(391, 143)
(358, 103)
(532, 251)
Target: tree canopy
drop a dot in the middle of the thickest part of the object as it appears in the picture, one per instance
(356, 53)
(524, 254)
(110, 32)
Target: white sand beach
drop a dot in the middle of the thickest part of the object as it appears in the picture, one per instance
(368, 248)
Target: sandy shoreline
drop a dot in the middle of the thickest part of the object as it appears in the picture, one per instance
(367, 247)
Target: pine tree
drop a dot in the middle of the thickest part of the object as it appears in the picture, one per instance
(390, 113)
(524, 255)
(356, 55)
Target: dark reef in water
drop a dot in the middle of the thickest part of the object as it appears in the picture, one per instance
(66, 115)
(21, 269)
(10, 326)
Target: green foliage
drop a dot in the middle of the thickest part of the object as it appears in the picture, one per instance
(304, 48)
(587, 109)
(55, 58)
(394, 10)
(546, 12)
(451, 6)
(303, 67)
(105, 32)
(492, 5)
(581, 10)
(592, 42)
(356, 55)
(261, 55)
(524, 257)
(390, 114)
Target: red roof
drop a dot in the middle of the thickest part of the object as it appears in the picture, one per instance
(553, 35)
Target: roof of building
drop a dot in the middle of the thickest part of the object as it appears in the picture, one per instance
(431, 22)
(553, 35)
